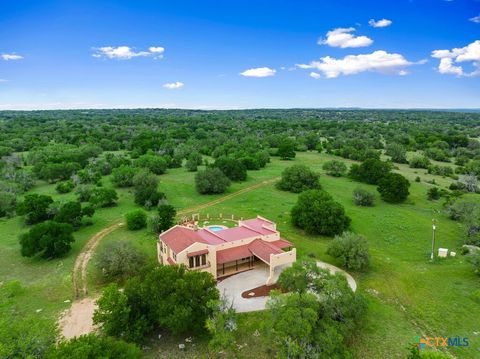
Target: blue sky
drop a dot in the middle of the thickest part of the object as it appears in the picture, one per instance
(239, 54)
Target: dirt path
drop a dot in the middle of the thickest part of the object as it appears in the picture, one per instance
(81, 263)
(227, 197)
(78, 319)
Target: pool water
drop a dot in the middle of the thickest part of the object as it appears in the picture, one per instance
(216, 228)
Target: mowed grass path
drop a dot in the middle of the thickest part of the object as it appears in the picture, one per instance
(406, 294)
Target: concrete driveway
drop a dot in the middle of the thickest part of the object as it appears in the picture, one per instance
(233, 287)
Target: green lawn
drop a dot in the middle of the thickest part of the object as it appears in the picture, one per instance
(406, 294)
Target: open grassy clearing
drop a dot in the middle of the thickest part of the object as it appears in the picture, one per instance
(407, 295)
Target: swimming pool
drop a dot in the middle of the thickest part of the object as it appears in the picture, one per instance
(216, 228)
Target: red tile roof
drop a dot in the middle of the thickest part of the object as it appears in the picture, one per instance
(258, 248)
(236, 233)
(263, 249)
(170, 261)
(260, 225)
(232, 254)
(197, 253)
(282, 243)
(179, 238)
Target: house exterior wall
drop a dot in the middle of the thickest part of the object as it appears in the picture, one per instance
(280, 259)
(211, 257)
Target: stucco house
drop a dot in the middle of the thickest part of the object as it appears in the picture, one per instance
(224, 251)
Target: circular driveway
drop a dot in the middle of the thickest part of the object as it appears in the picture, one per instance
(233, 287)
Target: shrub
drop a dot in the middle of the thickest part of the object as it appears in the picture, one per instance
(72, 213)
(165, 218)
(35, 207)
(335, 168)
(211, 181)
(232, 168)
(475, 261)
(322, 310)
(370, 171)
(397, 152)
(433, 194)
(298, 178)
(222, 325)
(136, 220)
(25, 336)
(351, 249)
(362, 197)
(394, 188)
(84, 192)
(103, 197)
(48, 239)
(286, 149)
(191, 165)
(8, 202)
(419, 162)
(93, 346)
(169, 298)
(154, 163)
(317, 213)
(123, 176)
(146, 193)
(65, 186)
(118, 261)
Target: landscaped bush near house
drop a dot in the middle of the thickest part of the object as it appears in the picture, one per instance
(136, 219)
(298, 178)
(351, 249)
(317, 213)
(362, 197)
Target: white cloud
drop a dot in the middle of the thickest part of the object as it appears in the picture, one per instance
(475, 19)
(126, 52)
(173, 85)
(343, 37)
(377, 61)
(450, 59)
(315, 75)
(380, 23)
(259, 72)
(8, 57)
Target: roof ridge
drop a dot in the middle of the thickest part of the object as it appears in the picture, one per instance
(213, 233)
(250, 228)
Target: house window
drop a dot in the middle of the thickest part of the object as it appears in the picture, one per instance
(197, 261)
(174, 256)
(161, 246)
